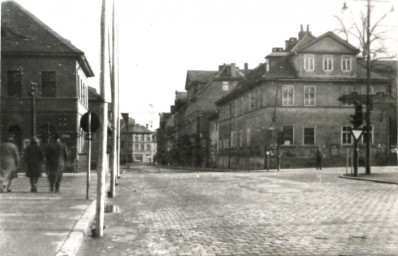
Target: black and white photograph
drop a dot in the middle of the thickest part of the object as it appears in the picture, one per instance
(199, 127)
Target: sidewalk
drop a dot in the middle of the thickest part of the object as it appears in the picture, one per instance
(46, 223)
(388, 174)
(381, 174)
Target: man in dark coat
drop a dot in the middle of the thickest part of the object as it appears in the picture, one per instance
(319, 159)
(34, 159)
(56, 155)
(9, 163)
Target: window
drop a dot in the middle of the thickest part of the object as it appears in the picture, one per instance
(287, 132)
(309, 95)
(48, 84)
(346, 138)
(346, 90)
(309, 136)
(14, 83)
(225, 86)
(371, 90)
(328, 62)
(136, 147)
(232, 140)
(236, 108)
(142, 147)
(148, 147)
(346, 63)
(308, 62)
(288, 95)
(248, 137)
(364, 135)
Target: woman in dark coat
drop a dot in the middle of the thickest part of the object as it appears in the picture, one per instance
(34, 159)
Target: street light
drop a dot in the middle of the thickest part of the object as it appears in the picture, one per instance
(367, 113)
(33, 90)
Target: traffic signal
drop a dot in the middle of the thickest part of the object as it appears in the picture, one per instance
(357, 118)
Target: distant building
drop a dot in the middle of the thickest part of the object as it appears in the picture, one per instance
(137, 143)
(293, 100)
(31, 52)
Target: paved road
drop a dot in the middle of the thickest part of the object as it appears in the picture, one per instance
(301, 212)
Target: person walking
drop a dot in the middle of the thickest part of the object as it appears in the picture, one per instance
(9, 163)
(34, 159)
(56, 155)
(318, 159)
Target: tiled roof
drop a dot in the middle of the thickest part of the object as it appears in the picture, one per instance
(24, 33)
(199, 76)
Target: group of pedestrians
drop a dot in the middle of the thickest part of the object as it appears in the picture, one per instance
(54, 155)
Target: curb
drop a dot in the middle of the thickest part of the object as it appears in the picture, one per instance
(361, 179)
(74, 240)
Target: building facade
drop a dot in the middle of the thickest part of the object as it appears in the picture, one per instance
(291, 104)
(137, 143)
(34, 54)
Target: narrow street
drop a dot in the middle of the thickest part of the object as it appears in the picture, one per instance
(292, 212)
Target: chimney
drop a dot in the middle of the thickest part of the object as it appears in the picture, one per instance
(301, 34)
(308, 28)
(233, 69)
(246, 68)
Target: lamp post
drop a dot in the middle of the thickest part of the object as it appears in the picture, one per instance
(33, 90)
(368, 99)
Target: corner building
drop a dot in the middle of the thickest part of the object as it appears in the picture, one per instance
(292, 101)
(31, 52)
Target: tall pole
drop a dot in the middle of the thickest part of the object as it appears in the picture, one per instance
(88, 156)
(102, 138)
(368, 136)
(114, 111)
(33, 92)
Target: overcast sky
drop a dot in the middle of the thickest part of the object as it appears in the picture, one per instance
(161, 39)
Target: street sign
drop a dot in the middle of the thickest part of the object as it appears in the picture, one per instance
(95, 122)
(356, 133)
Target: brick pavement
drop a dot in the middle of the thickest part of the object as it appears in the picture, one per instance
(292, 212)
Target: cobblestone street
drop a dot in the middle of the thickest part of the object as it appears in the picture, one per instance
(292, 212)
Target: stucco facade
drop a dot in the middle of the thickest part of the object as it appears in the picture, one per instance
(292, 100)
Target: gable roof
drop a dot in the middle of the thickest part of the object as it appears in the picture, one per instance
(304, 45)
(198, 76)
(24, 33)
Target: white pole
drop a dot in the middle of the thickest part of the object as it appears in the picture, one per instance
(102, 138)
(114, 112)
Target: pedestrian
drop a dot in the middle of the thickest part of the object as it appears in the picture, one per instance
(9, 163)
(56, 156)
(34, 159)
(318, 159)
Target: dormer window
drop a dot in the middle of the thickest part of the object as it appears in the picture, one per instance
(225, 86)
(346, 63)
(327, 62)
(308, 62)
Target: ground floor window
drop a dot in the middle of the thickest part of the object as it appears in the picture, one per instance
(346, 138)
(364, 135)
(309, 136)
(287, 135)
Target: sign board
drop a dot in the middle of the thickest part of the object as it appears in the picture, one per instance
(356, 133)
(95, 122)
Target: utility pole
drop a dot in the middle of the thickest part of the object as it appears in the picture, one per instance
(367, 169)
(102, 138)
(113, 152)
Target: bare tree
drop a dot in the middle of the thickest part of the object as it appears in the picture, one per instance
(354, 27)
